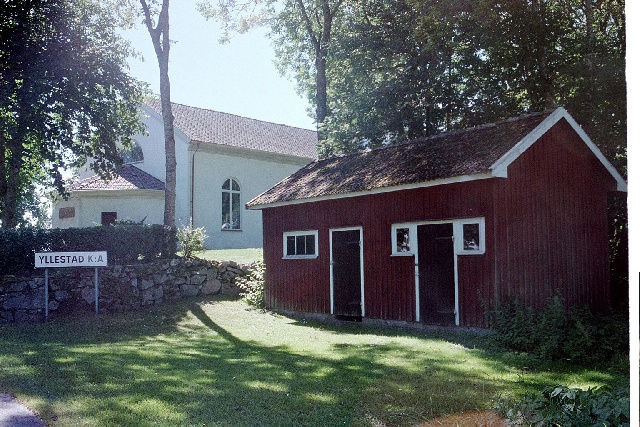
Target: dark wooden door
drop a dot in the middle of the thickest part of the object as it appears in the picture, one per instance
(108, 218)
(436, 269)
(347, 280)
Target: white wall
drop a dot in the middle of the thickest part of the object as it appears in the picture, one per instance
(152, 146)
(254, 172)
(129, 205)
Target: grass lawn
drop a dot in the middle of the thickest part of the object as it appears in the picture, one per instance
(241, 256)
(218, 363)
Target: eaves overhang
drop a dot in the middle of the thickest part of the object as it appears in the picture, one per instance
(380, 190)
(140, 192)
(252, 153)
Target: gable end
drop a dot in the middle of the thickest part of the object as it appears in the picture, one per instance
(499, 168)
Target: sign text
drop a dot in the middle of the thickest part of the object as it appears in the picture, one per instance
(70, 259)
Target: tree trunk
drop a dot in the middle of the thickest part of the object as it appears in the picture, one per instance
(161, 47)
(320, 41)
(322, 52)
(10, 208)
(542, 91)
(169, 147)
(3, 174)
(321, 88)
(11, 187)
(588, 56)
(13, 168)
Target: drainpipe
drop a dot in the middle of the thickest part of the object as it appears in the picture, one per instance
(193, 161)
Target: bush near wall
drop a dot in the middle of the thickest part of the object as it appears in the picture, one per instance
(124, 243)
(564, 406)
(555, 333)
(252, 285)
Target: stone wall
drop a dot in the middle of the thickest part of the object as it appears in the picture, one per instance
(121, 288)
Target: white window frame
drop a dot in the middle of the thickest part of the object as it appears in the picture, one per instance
(135, 145)
(458, 232)
(231, 193)
(458, 237)
(287, 234)
(413, 239)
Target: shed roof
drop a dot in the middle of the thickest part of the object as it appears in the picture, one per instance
(214, 127)
(480, 152)
(128, 178)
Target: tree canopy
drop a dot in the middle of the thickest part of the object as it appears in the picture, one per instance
(400, 69)
(65, 96)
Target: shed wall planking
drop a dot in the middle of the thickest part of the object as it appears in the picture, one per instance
(552, 224)
(389, 281)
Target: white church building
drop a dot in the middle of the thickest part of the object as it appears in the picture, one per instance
(223, 161)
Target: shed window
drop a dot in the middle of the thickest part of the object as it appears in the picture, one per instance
(300, 244)
(231, 205)
(403, 239)
(470, 236)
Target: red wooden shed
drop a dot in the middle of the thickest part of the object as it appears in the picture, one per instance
(436, 229)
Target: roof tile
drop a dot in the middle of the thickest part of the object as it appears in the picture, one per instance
(213, 127)
(128, 178)
(454, 154)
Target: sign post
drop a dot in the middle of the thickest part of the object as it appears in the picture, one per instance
(46, 293)
(66, 260)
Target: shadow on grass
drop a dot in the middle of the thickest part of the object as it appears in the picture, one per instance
(162, 367)
(473, 339)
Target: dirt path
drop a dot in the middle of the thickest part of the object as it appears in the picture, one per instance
(14, 414)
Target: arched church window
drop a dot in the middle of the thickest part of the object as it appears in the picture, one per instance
(133, 154)
(231, 205)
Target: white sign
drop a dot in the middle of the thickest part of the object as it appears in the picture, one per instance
(71, 259)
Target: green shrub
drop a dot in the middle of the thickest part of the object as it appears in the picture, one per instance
(564, 406)
(252, 285)
(593, 339)
(513, 326)
(550, 330)
(191, 240)
(124, 243)
(557, 333)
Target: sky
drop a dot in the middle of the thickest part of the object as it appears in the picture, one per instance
(238, 77)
